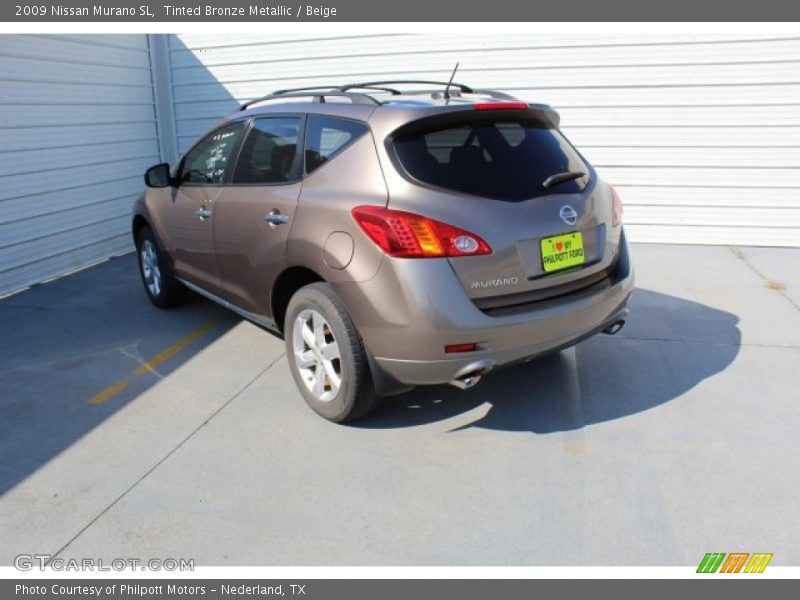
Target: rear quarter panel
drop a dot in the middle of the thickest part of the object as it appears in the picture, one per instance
(351, 178)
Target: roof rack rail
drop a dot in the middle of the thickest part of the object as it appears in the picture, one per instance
(310, 88)
(463, 88)
(372, 84)
(366, 86)
(317, 93)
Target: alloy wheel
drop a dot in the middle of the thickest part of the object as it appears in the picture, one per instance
(150, 269)
(317, 355)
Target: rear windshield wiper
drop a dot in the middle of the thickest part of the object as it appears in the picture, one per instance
(561, 178)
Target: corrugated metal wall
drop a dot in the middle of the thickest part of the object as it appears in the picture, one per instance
(77, 130)
(701, 133)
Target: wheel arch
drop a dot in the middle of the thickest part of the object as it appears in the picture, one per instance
(139, 223)
(294, 278)
(287, 283)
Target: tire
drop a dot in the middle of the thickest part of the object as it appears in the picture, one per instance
(321, 343)
(157, 276)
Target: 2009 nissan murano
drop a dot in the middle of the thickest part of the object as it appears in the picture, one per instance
(394, 238)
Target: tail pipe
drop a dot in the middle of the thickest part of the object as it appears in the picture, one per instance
(614, 327)
(471, 375)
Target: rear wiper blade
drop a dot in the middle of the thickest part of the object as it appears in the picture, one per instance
(561, 178)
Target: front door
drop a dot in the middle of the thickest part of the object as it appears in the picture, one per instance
(253, 216)
(190, 215)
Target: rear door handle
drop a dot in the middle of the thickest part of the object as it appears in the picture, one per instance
(276, 218)
(203, 213)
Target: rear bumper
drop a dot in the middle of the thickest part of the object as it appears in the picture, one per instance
(405, 327)
(432, 372)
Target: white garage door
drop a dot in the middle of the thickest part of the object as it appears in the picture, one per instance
(701, 133)
(77, 130)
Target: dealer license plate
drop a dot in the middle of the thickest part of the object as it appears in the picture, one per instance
(562, 251)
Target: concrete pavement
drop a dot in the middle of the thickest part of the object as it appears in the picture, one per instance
(674, 438)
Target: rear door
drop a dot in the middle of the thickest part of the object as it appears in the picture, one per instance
(486, 173)
(189, 215)
(254, 214)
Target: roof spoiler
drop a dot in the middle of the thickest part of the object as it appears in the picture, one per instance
(550, 113)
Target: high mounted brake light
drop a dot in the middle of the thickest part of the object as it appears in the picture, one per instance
(502, 106)
(404, 234)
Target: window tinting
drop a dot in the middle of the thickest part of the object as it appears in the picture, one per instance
(328, 135)
(269, 152)
(208, 161)
(506, 160)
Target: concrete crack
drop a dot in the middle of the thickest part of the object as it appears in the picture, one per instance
(737, 252)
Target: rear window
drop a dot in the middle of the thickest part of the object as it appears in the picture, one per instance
(502, 159)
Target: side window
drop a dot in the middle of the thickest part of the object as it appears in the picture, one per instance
(208, 161)
(327, 136)
(269, 152)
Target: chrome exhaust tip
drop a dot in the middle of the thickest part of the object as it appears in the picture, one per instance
(471, 375)
(467, 381)
(614, 327)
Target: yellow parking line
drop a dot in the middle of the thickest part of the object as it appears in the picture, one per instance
(171, 351)
(149, 365)
(109, 392)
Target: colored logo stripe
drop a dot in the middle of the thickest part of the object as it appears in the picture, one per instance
(711, 562)
(733, 564)
(758, 563)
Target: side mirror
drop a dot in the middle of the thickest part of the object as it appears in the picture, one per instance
(158, 176)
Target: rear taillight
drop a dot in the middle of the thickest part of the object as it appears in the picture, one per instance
(404, 234)
(501, 106)
(616, 208)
